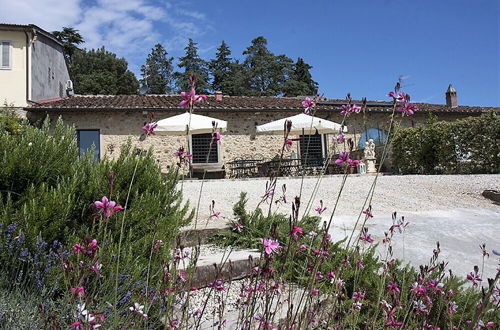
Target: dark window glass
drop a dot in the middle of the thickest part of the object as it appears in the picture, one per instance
(311, 151)
(88, 138)
(200, 148)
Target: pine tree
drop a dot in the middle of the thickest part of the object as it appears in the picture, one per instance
(220, 68)
(157, 72)
(192, 64)
(267, 73)
(300, 82)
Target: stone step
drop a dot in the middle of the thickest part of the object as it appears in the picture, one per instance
(200, 232)
(221, 264)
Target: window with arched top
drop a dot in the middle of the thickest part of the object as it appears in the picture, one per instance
(378, 136)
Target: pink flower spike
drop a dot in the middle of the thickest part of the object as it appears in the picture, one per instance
(368, 213)
(77, 248)
(270, 246)
(340, 138)
(320, 209)
(93, 245)
(217, 137)
(367, 238)
(150, 128)
(314, 292)
(296, 232)
(190, 98)
(107, 207)
(78, 291)
(343, 158)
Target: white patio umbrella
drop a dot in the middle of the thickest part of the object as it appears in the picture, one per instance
(198, 124)
(302, 123)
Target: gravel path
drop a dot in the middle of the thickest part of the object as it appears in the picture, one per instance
(411, 193)
(445, 208)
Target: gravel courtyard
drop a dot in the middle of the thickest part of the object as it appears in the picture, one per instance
(445, 208)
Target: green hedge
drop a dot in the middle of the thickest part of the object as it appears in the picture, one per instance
(470, 145)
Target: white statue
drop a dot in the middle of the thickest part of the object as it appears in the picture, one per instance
(369, 149)
(370, 159)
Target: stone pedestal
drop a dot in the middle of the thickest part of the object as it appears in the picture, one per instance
(370, 165)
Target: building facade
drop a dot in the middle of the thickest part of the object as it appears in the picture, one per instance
(32, 66)
(107, 122)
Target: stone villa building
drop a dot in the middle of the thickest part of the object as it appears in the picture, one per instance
(109, 121)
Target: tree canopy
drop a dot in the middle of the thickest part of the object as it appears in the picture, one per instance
(98, 71)
(70, 38)
(192, 64)
(157, 73)
(259, 73)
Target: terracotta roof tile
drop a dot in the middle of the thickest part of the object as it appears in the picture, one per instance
(229, 103)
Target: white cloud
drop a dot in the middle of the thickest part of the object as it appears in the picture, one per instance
(48, 14)
(128, 27)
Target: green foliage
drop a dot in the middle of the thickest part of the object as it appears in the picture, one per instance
(267, 72)
(70, 38)
(98, 71)
(47, 190)
(157, 72)
(256, 226)
(193, 64)
(300, 82)
(9, 122)
(470, 145)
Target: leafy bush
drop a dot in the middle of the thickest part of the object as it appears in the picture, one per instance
(47, 190)
(255, 225)
(470, 145)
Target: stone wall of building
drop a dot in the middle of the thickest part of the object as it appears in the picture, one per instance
(240, 139)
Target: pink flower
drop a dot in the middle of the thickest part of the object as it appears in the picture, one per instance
(296, 232)
(367, 238)
(308, 104)
(452, 307)
(320, 209)
(357, 296)
(237, 226)
(190, 98)
(150, 128)
(217, 137)
(80, 291)
(215, 214)
(108, 207)
(350, 108)
(398, 97)
(77, 248)
(93, 245)
(314, 292)
(392, 287)
(303, 247)
(368, 212)
(344, 159)
(475, 277)
(408, 108)
(270, 246)
(340, 138)
(288, 144)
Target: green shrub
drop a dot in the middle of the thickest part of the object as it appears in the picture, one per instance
(47, 190)
(470, 145)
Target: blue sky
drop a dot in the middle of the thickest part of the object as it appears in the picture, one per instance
(361, 47)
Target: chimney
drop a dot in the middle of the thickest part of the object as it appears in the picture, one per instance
(218, 95)
(451, 97)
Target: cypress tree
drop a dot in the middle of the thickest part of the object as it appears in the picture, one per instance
(192, 64)
(157, 72)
